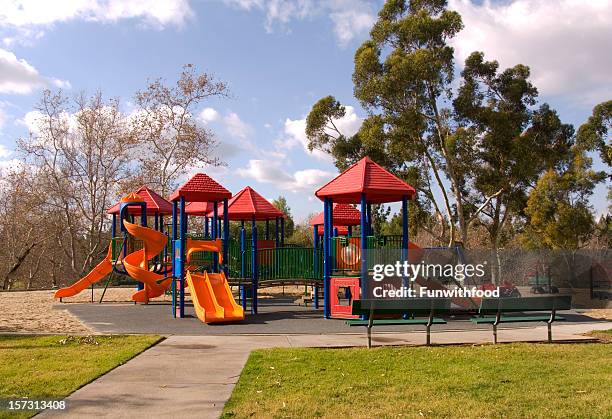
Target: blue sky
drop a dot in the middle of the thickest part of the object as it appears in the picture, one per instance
(279, 57)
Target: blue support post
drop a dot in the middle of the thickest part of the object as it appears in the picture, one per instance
(243, 293)
(225, 238)
(350, 231)
(206, 232)
(254, 264)
(174, 261)
(332, 243)
(213, 226)
(114, 226)
(405, 235)
(282, 231)
(326, 259)
(335, 231)
(364, 237)
(183, 222)
(370, 230)
(315, 257)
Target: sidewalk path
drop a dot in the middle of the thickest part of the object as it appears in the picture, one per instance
(193, 376)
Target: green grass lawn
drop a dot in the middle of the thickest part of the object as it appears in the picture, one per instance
(509, 380)
(51, 367)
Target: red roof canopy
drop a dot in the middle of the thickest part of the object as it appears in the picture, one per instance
(201, 188)
(198, 208)
(155, 203)
(247, 204)
(342, 231)
(369, 178)
(344, 215)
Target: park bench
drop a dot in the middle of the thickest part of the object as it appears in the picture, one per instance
(409, 307)
(492, 311)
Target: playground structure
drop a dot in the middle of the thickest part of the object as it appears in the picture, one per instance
(170, 258)
(146, 255)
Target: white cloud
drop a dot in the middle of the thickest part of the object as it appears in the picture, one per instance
(351, 18)
(62, 84)
(563, 42)
(17, 75)
(29, 13)
(348, 24)
(208, 115)
(5, 152)
(271, 171)
(236, 126)
(295, 132)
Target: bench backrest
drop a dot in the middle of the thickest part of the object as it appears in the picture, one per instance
(544, 303)
(420, 306)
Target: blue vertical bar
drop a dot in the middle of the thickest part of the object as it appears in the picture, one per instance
(206, 226)
(326, 259)
(282, 231)
(254, 264)
(213, 228)
(350, 231)
(364, 238)
(183, 222)
(242, 265)
(114, 226)
(143, 214)
(335, 231)
(370, 229)
(315, 257)
(174, 261)
(225, 238)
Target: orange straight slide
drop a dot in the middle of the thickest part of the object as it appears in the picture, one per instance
(100, 271)
(212, 298)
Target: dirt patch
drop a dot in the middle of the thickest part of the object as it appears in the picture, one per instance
(39, 312)
(33, 312)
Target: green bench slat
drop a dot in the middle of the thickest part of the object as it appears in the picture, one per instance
(382, 322)
(514, 319)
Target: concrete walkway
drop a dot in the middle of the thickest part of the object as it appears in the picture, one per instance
(193, 376)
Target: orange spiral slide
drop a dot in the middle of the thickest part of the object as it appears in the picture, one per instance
(136, 264)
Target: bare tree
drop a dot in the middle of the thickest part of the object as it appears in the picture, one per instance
(81, 149)
(171, 139)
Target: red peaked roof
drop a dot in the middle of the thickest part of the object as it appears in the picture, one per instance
(367, 177)
(155, 203)
(344, 215)
(247, 204)
(198, 208)
(201, 188)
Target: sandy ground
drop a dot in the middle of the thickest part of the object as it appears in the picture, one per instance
(39, 312)
(33, 312)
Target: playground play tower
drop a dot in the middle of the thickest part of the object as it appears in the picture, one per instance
(364, 183)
